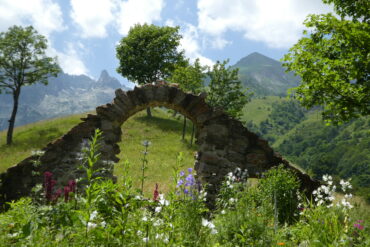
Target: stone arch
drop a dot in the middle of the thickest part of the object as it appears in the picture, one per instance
(224, 143)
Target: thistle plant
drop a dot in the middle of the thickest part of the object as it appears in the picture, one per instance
(144, 164)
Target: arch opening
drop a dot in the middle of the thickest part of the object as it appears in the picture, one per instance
(223, 142)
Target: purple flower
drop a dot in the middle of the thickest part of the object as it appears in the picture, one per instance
(186, 191)
(180, 182)
(182, 173)
(190, 181)
(190, 170)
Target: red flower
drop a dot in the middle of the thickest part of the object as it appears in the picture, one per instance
(72, 185)
(48, 185)
(67, 189)
(57, 194)
(155, 193)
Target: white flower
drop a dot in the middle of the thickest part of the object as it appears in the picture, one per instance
(158, 209)
(90, 225)
(348, 196)
(231, 200)
(37, 152)
(158, 222)
(146, 239)
(163, 201)
(208, 224)
(223, 212)
(93, 215)
(103, 224)
(144, 218)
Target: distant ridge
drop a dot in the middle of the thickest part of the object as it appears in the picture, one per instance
(265, 76)
(64, 95)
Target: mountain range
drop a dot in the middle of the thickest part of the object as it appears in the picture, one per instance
(69, 94)
(64, 95)
(265, 76)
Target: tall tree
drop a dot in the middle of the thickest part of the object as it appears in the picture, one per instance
(190, 79)
(332, 60)
(225, 89)
(149, 53)
(23, 62)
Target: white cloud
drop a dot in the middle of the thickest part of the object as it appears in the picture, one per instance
(44, 15)
(138, 11)
(190, 43)
(276, 23)
(70, 59)
(93, 17)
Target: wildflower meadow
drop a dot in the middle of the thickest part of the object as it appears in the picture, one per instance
(97, 212)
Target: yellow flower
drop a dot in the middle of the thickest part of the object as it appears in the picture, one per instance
(281, 243)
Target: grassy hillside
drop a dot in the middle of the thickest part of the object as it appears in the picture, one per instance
(305, 140)
(259, 108)
(162, 130)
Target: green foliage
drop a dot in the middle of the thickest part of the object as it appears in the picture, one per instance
(332, 60)
(190, 78)
(358, 10)
(117, 216)
(248, 223)
(225, 89)
(149, 53)
(339, 150)
(284, 116)
(280, 186)
(23, 62)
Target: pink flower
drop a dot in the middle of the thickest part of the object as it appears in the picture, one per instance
(358, 226)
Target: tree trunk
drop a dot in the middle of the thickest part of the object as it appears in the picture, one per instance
(184, 129)
(148, 112)
(192, 135)
(9, 137)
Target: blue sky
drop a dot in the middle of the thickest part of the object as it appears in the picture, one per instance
(83, 33)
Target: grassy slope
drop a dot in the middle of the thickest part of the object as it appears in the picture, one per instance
(162, 130)
(259, 108)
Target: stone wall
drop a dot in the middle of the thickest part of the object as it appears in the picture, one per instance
(224, 143)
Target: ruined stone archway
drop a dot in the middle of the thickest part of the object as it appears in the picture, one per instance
(224, 143)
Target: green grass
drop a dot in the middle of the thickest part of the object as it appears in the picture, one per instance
(162, 130)
(259, 108)
(33, 137)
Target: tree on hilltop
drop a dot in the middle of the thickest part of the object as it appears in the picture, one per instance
(23, 62)
(149, 53)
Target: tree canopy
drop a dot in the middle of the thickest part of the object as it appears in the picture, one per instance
(190, 77)
(332, 60)
(225, 89)
(23, 62)
(149, 53)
